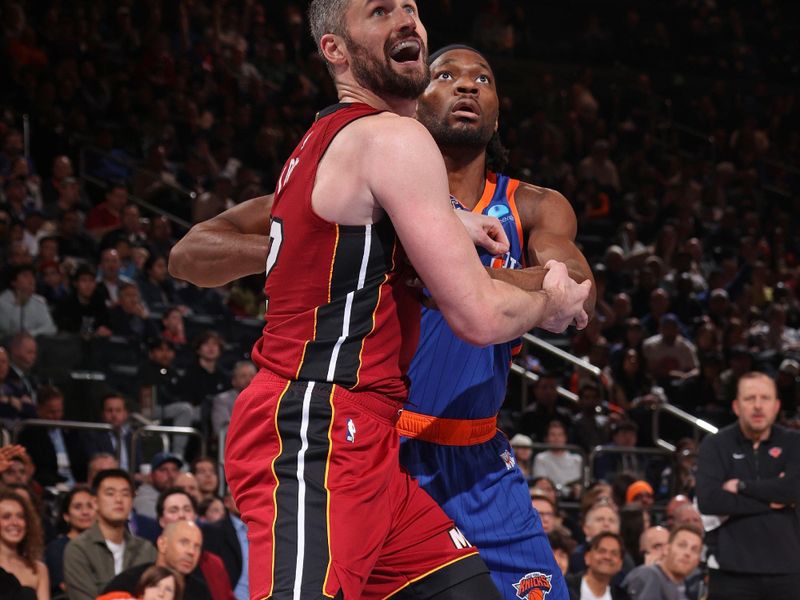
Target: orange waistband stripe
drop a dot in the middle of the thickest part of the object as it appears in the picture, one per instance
(446, 432)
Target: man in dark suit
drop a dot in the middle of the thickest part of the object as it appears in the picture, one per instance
(227, 538)
(58, 454)
(115, 413)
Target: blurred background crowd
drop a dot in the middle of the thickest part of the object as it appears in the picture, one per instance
(672, 127)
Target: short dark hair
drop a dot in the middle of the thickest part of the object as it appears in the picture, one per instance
(48, 392)
(685, 527)
(206, 503)
(19, 270)
(594, 543)
(67, 500)
(152, 575)
(162, 497)
(83, 270)
(113, 394)
(111, 474)
(205, 336)
(561, 541)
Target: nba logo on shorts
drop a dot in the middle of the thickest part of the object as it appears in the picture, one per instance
(534, 586)
(351, 431)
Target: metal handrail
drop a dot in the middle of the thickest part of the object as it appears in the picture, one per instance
(697, 423)
(162, 429)
(78, 425)
(531, 376)
(598, 450)
(566, 356)
(5, 436)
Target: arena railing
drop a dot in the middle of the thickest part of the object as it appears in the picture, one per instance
(698, 425)
(529, 339)
(75, 425)
(5, 436)
(636, 451)
(161, 430)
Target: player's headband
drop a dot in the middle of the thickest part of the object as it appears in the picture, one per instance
(441, 51)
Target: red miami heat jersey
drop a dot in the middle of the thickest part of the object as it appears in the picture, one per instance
(338, 308)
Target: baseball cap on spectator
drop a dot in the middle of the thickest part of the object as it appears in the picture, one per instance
(790, 366)
(637, 488)
(165, 457)
(521, 441)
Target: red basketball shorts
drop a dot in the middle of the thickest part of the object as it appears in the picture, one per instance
(314, 470)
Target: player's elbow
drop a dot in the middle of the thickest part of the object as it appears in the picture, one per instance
(178, 261)
(476, 328)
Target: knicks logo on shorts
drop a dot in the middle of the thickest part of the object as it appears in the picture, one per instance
(534, 586)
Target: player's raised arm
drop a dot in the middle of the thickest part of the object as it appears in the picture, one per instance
(233, 244)
(414, 194)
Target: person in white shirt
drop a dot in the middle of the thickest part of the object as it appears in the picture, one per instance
(561, 466)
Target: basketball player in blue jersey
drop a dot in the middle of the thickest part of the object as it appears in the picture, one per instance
(452, 445)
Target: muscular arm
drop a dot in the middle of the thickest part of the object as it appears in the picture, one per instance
(549, 224)
(233, 244)
(414, 194)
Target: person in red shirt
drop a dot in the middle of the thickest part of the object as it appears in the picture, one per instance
(106, 216)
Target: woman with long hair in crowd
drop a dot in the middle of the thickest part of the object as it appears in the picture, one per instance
(21, 547)
(77, 515)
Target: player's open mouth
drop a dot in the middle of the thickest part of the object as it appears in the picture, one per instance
(466, 108)
(406, 51)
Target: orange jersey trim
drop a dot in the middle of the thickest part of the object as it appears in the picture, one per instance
(488, 193)
(511, 196)
(446, 432)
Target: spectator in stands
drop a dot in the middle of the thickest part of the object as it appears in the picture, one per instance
(17, 201)
(603, 563)
(22, 309)
(176, 504)
(669, 355)
(243, 373)
(106, 216)
(188, 482)
(211, 510)
(666, 580)
(205, 377)
(564, 468)
(207, 474)
(84, 311)
(58, 454)
(12, 405)
(129, 317)
(17, 469)
(544, 408)
(69, 195)
(687, 514)
(653, 544)
(100, 462)
(156, 285)
(160, 392)
(179, 548)
(21, 546)
(228, 540)
(624, 435)
(164, 468)
(602, 516)
(174, 330)
(114, 411)
(130, 229)
(107, 548)
(61, 170)
(77, 514)
(788, 385)
(679, 477)
(111, 279)
(562, 545)
(22, 352)
(589, 428)
(522, 445)
(548, 511)
(156, 583)
(640, 494)
(73, 242)
(160, 239)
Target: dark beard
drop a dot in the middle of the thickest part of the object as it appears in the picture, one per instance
(454, 135)
(380, 78)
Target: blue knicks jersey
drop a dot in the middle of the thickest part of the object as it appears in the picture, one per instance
(449, 377)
